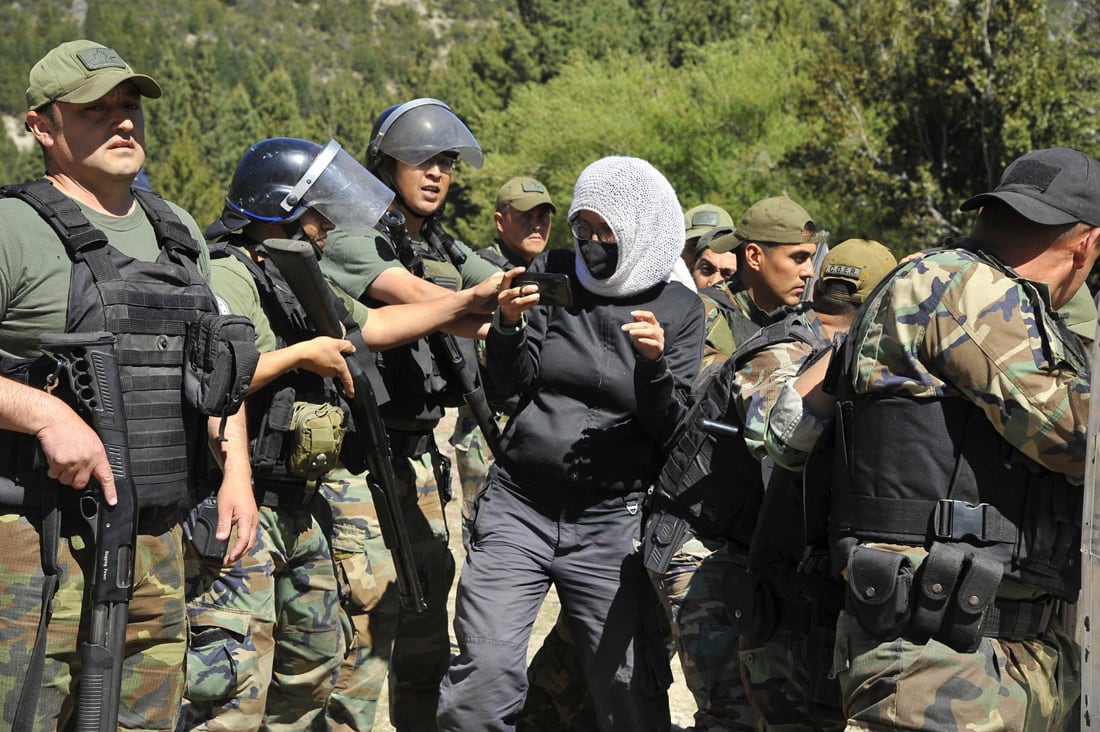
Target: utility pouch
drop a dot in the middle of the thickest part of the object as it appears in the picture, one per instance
(221, 358)
(318, 434)
(937, 576)
(961, 629)
(200, 527)
(879, 583)
(751, 604)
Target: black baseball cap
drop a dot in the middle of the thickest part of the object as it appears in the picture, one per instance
(1051, 187)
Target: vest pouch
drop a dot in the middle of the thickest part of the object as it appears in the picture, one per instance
(221, 358)
(879, 584)
(318, 434)
(751, 604)
(936, 579)
(961, 629)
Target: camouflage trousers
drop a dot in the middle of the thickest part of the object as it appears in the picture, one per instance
(708, 643)
(1027, 686)
(368, 593)
(422, 643)
(557, 692)
(266, 635)
(472, 460)
(152, 677)
(787, 680)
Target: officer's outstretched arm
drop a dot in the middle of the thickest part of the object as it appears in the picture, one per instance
(395, 325)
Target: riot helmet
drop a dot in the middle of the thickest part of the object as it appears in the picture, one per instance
(278, 179)
(419, 130)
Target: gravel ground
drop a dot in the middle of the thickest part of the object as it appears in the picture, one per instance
(680, 700)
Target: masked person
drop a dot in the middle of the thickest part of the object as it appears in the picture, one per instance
(84, 252)
(414, 149)
(602, 385)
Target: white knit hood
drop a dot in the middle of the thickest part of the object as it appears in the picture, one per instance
(641, 208)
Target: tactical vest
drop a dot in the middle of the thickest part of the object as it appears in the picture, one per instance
(923, 472)
(711, 484)
(960, 482)
(741, 326)
(274, 413)
(419, 391)
(149, 307)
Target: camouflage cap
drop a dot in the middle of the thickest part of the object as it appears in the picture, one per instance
(861, 262)
(777, 220)
(524, 194)
(1050, 187)
(704, 217)
(82, 71)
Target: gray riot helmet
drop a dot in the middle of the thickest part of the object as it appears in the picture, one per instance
(419, 130)
(279, 179)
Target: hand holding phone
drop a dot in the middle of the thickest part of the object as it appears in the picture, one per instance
(554, 288)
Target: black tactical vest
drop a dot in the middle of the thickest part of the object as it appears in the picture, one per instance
(924, 471)
(148, 306)
(269, 411)
(711, 482)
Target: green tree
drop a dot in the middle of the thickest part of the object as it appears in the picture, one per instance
(929, 105)
(716, 127)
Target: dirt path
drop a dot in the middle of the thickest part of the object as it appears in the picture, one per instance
(680, 700)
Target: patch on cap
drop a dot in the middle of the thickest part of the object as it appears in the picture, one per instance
(704, 217)
(861, 262)
(524, 194)
(1051, 187)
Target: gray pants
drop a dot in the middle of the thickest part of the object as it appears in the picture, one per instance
(585, 545)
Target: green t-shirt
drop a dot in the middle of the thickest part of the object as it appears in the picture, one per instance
(353, 262)
(35, 270)
(233, 283)
(236, 288)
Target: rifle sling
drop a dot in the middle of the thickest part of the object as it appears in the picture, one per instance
(27, 709)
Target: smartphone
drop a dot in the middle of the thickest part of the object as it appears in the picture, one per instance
(554, 288)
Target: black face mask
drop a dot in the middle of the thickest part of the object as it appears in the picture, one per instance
(601, 258)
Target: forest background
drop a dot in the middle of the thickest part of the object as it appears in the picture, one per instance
(879, 116)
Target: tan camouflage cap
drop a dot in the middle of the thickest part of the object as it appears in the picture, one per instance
(524, 194)
(82, 71)
(861, 262)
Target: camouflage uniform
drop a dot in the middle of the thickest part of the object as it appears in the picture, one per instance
(787, 676)
(368, 593)
(266, 633)
(691, 588)
(156, 622)
(957, 326)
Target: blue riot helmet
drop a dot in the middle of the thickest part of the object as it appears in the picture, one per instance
(279, 179)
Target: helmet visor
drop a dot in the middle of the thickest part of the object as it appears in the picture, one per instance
(427, 130)
(345, 192)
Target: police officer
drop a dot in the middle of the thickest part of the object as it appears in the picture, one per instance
(688, 559)
(127, 262)
(698, 220)
(414, 149)
(286, 188)
(785, 608)
(957, 550)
